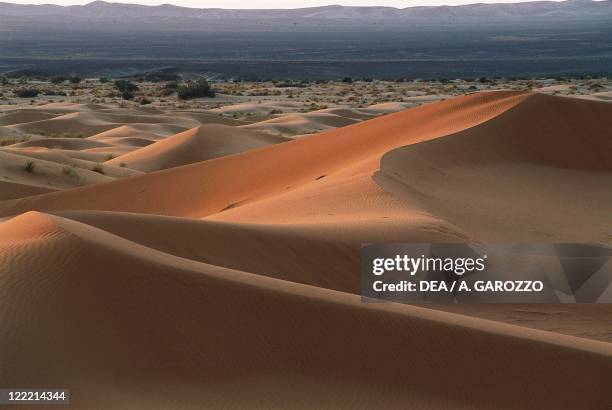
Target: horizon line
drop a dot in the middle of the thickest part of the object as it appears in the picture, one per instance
(379, 5)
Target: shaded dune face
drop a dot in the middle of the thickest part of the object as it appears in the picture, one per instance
(233, 281)
(540, 171)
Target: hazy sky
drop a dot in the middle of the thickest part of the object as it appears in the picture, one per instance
(250, 4)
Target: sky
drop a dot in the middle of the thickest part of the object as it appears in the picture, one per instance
(271, 4)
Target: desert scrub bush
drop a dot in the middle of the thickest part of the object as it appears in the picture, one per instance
(127, 95)
(173, 85)
(30, 166)
(286, 84)
(27, 93)
(161, 75)
(200, 88)
(124, 85)
(109, 157)
(70, 172)
(145, 101)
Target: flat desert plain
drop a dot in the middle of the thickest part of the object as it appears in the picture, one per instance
(187, 258)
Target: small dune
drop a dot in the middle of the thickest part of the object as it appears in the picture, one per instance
(74, 144)
(21, 116)
(199, 144)
(294, 124)
(13, 190)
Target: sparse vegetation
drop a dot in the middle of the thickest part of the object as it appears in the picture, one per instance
(70, 171)
(30, 166)
(124, 85)
(27, 93)
(198, 89)
(161, 75)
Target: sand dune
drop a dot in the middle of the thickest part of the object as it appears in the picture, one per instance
(76, 159)
(198, 144)
(292, 124)
(386, 108)
(82, 124)
(20, 116)
(358, 114)
(205, 188)
(131, 141)
(513, 165)
(153, 131)
(12, 190)
(90, 119)
(325, 119)
(218, 256)
(57, 154)
(79, 137)
(62, 143)
(262, 108)
(207, 117)
(129, 346)
(43, 173)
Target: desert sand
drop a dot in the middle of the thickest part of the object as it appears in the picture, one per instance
(188, 259)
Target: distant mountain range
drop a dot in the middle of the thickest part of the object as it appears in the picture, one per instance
(131, 16)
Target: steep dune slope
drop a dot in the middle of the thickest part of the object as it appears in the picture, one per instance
(208, 187)
(541, 170)
(128, 327)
